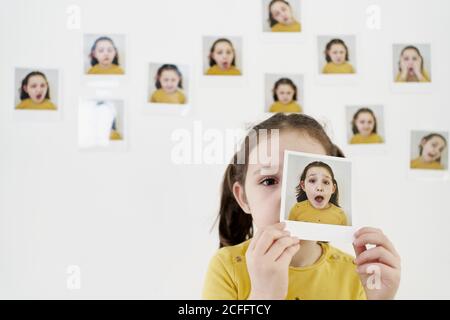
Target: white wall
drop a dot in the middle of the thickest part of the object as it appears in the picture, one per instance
(138, 225)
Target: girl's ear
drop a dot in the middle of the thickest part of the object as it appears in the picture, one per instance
(239, 195)
(24, 88)
(334, 188)
(302, 185)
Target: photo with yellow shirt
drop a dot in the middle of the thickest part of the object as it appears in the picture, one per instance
(167, 84)
(283, 16)
(34, 89)
(339, 55)
(365, 127)
(103, 56)
(283, 93)
(412, 63)
(222, 56)
(429, 150)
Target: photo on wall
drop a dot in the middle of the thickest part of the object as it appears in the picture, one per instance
(222, 56)
(365, 124)
(411, 63)
(429, 150)
(337, 55)
(284, 93)
(281, 16)
(104, 55)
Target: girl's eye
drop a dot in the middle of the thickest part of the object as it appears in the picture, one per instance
(269, 182)
(311, 180)
(326, 182)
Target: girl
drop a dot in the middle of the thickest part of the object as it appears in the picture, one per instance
(104, 57)
(410, 66)
(271, 264)
(364, 127)
(281, 17)
(336, 54)
(318, 197)
(35, 93)
(285, 96)
(168, 84)
(430, 152)
(222, 59)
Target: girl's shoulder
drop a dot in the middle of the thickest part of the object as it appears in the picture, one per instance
(336, 255)
(233, 254)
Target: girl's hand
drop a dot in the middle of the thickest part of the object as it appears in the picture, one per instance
(378, 267)
(403, 70)
(268, 257)
(417, 69)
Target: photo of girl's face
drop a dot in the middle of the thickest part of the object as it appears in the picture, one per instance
(318, 186)
(169, 80)
(410, 60)
(104, 52)
(36, 88)
(281, 12)
(223, 55)
(263, 181)
(432, 149)
(337, 53)
(365, 123)
(285, 93)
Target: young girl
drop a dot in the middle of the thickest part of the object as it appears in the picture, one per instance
(364, 127)
(169, 85)
(285, 97)
(336, 54)
(271, 264)
(104, 57)
(222, 59)
(410, 66)
(430, 152)
(318, 197)
(281, 17)
(35, 93)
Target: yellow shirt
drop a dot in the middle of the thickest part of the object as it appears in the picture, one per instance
(160, 96)
(426, 78)
(373, 138)
(333, 276)
(115, 135)
(113, 69)
(215, 70)
(290, 107)
(304, 211)
(418, 163)
(331, 67)
(28, 104)
(293, 27)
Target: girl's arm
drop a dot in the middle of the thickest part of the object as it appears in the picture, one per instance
(378, 267)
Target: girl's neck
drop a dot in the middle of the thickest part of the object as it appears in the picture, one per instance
(105, 66)
(309, 253)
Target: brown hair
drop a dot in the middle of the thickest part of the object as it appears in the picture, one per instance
(328, 47)
(427, 138)
(212, 62)
(235, 226)
(355, 116)
(301, 194)
(284, 81)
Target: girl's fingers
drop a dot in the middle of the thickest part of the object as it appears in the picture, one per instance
(279, 246)
(375, 238)
(288, 253)
(279, 226)
(378, 254)
(267, 238)
(367, 230)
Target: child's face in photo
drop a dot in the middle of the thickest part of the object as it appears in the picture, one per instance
(262, 188)
(36, 88)
(281, 12)
(432, 149)
(169, 80)
(365, 123)
(410, 60)
(337, 53)
(104, 52)
(318, 186)
(223, 55)
(285, 93)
